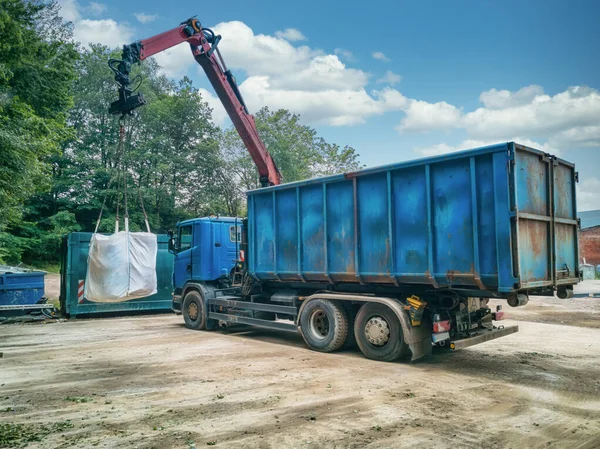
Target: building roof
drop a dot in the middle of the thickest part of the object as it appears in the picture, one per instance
(213, 218)
(589, 218)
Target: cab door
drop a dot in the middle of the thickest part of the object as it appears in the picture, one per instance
(232, 235)
(182, 271)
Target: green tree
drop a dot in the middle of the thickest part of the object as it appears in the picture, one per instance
(292, 144)
(333, 159)
(175, 154)
(296, 148)
(58, 167)
(36, 74)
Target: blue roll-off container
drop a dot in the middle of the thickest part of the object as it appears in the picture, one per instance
(74, 255)
(21, 288)
(495, 219)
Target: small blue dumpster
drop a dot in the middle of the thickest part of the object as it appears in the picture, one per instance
(20, 287)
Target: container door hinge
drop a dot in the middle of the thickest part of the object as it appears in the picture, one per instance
(576, 176)
(578, 223)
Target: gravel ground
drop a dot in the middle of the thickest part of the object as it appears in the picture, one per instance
(148, 382)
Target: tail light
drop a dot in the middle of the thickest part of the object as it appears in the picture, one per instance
(499, 314)
(440, 325)
(242, 256)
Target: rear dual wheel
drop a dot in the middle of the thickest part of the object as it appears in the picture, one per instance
(325, 326)
(378, 333)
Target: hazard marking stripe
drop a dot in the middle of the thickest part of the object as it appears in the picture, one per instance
(80, 291)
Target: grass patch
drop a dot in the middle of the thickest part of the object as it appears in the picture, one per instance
(49, 267)
(20, 435)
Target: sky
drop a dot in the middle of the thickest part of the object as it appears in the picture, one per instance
(396, 80)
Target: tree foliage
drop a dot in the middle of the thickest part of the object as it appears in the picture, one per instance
(36, 74)
(60, 157)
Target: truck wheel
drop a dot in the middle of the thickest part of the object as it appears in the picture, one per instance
(564, 292)
(324, 325)
(379, 333)
(193, 310)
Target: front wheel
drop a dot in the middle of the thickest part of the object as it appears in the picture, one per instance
(193, 310)
(324, 325)
(378, 333)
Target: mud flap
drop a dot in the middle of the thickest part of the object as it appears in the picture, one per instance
(417, 338)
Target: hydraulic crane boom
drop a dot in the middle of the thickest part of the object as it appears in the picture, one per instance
(204, 46)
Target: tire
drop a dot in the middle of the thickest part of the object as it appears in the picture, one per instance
(351, 311)
(194, 311)
(324, 325)
(379, 344)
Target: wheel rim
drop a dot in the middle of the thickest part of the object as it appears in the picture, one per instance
(193, 311)
(319, 324)
(377, 331)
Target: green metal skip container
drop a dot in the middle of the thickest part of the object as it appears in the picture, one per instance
(74, 253)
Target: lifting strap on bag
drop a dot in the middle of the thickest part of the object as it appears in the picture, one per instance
(122, 168)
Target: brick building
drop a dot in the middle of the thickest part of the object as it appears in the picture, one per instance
(589, 237)
(589, 245)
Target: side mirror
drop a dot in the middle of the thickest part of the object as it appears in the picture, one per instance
(171, 241)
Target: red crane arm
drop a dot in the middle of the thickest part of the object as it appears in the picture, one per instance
(203, 43)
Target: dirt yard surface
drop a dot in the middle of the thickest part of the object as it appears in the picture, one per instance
(52, 285)
(147, 382)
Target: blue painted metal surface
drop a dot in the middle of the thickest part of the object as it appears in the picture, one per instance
(590, 218)
(73, 270)
(21, 288)
(206, 249)
(498, 218)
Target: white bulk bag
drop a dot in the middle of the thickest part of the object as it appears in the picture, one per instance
(121, 266)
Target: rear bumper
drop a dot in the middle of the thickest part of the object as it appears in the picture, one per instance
(482, 336)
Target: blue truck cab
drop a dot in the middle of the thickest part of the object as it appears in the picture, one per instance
(206, 251)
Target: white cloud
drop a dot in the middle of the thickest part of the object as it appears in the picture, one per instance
(331, 107)
(69, 10)
(310, 82)
(345, 54)
(96, 9)
(588, 194)
(422, 116)
(565, 120)
(390, 78)
(176, 61)
(145, 18)
(569, 115)
(579, 136)
(322, 72)
(291, 34)
(260, 54)
(380, 56)
(218, 114)
(502, 99)
(542, 116)
(106, 32)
